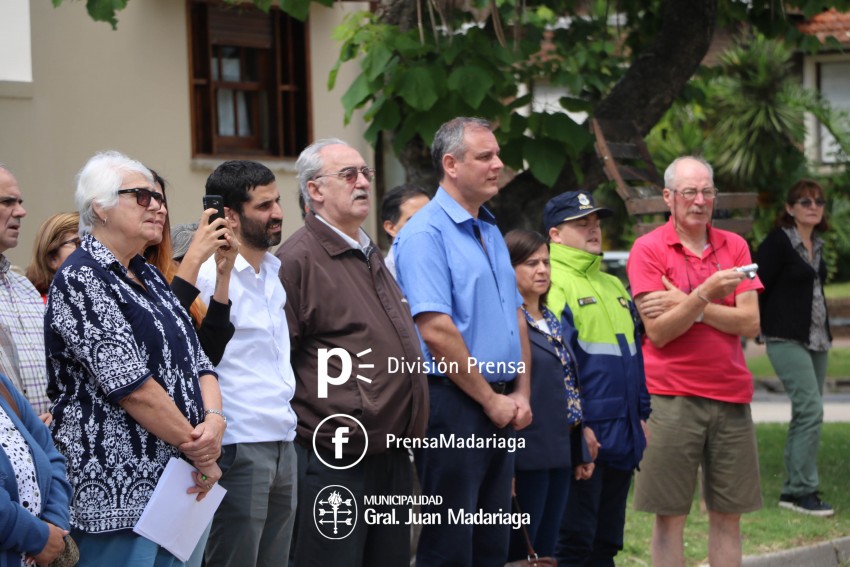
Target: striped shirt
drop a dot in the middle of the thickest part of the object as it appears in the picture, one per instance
(22, 356)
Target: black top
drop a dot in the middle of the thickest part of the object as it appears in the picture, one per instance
(786, 302)
(216, 330)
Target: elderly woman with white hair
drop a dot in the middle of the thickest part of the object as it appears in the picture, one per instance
(134, 386)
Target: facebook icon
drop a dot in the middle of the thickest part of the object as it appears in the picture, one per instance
(340, 441)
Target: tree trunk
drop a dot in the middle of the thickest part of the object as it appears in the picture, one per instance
(647, 90)
(653, 81)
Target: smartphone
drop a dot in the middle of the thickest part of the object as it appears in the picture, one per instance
(214, 202)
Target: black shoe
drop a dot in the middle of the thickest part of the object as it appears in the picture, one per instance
(807, 504)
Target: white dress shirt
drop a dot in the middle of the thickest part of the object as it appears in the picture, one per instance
(255, 374)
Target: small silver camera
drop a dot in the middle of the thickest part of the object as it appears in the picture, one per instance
(750, 270)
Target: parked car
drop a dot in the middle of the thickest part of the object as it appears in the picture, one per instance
(614, 262)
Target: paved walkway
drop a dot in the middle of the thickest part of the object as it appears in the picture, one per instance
(775, 407)
(768, 408)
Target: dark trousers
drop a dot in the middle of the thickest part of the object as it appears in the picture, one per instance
(470, 479)
(542, 494)
(592, 526)
(388, 473)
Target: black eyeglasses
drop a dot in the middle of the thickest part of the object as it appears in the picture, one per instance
(75, 241)
(144, 196)
(806, 202)
(350, 173)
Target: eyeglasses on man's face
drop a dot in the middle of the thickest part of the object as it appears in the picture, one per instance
(806, 202)
(144, 196)
(350, 173)
(690, 193)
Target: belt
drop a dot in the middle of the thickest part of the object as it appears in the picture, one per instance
(498, 387)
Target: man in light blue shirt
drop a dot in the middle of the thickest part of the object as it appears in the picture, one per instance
(455, 270)
(253, 525)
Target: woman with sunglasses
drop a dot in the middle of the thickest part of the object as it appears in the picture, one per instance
(57, 239)
(134, 386)
(210, 238)
(795, 326)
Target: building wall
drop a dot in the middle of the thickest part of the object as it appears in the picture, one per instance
(96, 89)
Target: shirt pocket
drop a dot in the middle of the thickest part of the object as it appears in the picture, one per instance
(607, 418)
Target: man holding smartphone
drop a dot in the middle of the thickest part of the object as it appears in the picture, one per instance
(253, 525)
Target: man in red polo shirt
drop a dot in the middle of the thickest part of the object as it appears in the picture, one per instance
(695, 307)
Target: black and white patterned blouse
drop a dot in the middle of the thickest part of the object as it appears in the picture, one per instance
(104, 337)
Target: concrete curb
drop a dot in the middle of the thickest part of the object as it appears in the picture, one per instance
(832, 553)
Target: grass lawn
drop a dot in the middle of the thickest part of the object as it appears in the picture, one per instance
(838, 366)
(771, 528)
(837, 290)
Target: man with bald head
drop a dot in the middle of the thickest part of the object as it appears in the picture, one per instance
(22, 356)
(348, 323)
(695, 306)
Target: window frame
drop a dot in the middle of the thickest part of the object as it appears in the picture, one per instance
(815, 131)
(284, 78)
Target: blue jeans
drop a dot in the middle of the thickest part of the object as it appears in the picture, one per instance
(123, 548)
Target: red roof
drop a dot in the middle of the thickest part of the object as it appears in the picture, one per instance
(828, 23)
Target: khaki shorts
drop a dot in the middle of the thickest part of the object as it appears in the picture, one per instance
(686, 432)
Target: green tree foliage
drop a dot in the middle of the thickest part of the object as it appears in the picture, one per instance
(412, 81)
(746, 117)
(423, 61)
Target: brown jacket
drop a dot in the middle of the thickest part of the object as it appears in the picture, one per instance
(336, 298)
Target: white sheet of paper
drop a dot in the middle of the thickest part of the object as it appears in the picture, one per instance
(173, 519)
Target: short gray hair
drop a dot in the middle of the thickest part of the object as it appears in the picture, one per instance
(670, 172)
(449, 140)
(310, 163)
(98, 183)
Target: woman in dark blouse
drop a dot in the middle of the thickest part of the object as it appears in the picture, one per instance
(795, 326)
(212, 324)
(134, 386)
(545, 466)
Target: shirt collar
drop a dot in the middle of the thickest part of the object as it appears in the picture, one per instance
(5, 264)
(578, 260)
(797, 241)
(364, 243)
(270, 262)
(457, 213)
(715, 238)
(103, 255)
